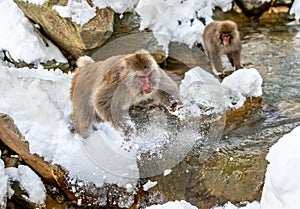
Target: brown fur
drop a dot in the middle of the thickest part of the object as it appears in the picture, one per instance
(105, 90)
(214, 48)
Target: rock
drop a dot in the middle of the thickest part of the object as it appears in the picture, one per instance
(235, 117)
(72, 38)
(132, 41)
(125, 24)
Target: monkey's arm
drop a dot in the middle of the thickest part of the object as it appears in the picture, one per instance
(168, 92)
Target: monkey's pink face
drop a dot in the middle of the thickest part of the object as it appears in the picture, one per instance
(147, 81)
(225, 38)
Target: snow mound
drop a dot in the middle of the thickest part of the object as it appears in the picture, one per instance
(246, 81)
(201, 89)
(282, 186)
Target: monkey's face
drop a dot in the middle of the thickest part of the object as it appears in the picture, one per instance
(146, 81)
(225, 39)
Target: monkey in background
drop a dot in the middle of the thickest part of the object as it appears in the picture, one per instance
(219, 38)
(104, 90)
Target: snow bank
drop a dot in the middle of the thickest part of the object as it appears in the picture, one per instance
(282, 186)
(19, 39)
(174, 205)
(38, 101)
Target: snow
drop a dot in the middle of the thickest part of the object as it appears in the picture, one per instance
(282, 187)
(177, 20)
(39, 2)
(182, 204)
(3, 184)
(167, 172)
(79, 11)
(201, 88)
(170, 21)
(117, 5)
(149, 185)
(45, 127)
(33, 50)
(29, 181)
(295, 9)
(246, 81)
(38, 101)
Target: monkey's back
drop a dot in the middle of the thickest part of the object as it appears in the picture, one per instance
(209, 34)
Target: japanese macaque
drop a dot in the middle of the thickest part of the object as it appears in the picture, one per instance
(104, 90)
(222, 37)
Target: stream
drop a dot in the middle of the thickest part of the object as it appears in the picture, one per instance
(235, 171)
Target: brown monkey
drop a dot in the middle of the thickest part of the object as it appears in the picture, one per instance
(219, 38)
(104, 90)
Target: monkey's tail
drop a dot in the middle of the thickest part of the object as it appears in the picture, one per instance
(83, 61)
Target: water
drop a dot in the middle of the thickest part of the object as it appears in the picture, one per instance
(235, 171)
(275, 49)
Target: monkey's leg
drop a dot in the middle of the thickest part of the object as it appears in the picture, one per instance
(236, 58)
(229, 56)
(82, 121)
(216, 63)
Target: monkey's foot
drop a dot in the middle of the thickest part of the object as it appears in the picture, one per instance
(71, 127)
(221, 76)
